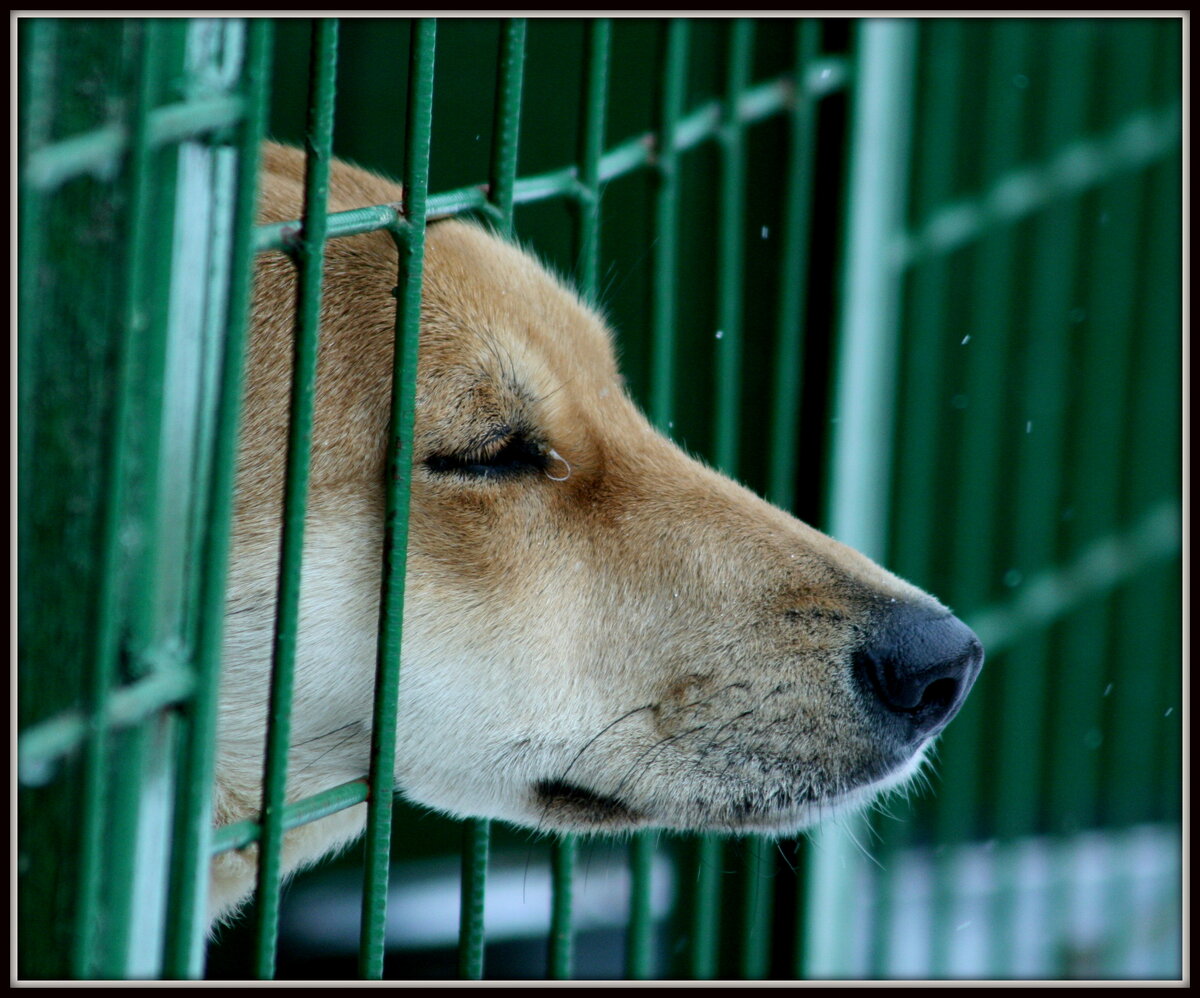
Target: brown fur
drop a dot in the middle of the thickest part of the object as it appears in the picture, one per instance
(621, 638)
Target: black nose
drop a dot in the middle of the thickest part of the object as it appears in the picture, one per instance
(918, 669)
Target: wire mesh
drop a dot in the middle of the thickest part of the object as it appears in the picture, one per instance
(1015, 305)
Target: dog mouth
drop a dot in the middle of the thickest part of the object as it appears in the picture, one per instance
(568, 804)
(775, 808)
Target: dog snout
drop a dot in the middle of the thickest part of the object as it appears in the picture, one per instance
(917, 670)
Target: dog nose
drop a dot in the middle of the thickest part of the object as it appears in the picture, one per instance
(918, 669)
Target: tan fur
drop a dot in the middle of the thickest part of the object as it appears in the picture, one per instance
(626, 621)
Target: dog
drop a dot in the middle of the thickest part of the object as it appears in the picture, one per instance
(600, 632)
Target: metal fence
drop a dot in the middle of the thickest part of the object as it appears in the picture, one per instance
(917, 281)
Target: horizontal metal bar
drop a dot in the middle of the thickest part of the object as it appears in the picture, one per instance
(705, 123)
(285, 236)
(301, 812)
(100, 151)
(39, 746)
(1139, 141)
(1100, 567)
(459, 201)
(556, 183)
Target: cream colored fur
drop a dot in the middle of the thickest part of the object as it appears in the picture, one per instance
(622, 638)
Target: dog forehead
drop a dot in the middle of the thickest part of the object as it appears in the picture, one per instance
(490, 306)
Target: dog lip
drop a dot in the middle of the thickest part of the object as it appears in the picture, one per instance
(563, 803)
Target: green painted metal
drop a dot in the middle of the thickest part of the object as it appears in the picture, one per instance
(309, 256)
(674, 77)
(591, 149)
(793, 270)
(863, 406)
(703, 905)
(184, 955)
(133, 492)
(500, 197)
(411, 246)
(591, 146)
(327, 802)
(118, 460)
(639, 938)
(1024, 694)
(508, 119)
(730, 268)
(562, 898)
(1018, 238)
(1027, 214)
(981, 400)
(758, 908)
(476, 846)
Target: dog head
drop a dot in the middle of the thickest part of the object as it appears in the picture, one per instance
(600, 632)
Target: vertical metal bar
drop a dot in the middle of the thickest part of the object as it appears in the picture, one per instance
(705, 909)
(793, 280)
(139, 801)
(1021, 758)
(730, 256)
(974, 569)
(309, 258)
(923, 405)
(1098, 422)
(476, 841)
(789, 341)
(1149, 613)
(757, 908)
(639, 936)
(639, 954)
(674, 82)
(502, 181)
(38, 93)
(562, 874)
(599, 35)
(96, 756)
(411, 247)
(591, 149)
(508, 119)
(859, 488)
(184, 955)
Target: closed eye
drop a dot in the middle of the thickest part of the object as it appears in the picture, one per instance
(516, 455)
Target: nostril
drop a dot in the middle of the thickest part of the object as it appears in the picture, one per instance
(917, 670)
(939, 695)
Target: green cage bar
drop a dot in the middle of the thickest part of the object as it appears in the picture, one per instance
(476, 845)
(928, 329)
(184, 954)
(704, 908)
(674, 81)
(501, 191)
(1023, 694)
(118, 460)
(309, 257)
(860, 451)
(591, 146)
(1077, 145)
(730, 267)
(793, 271)
(562, 907)
(981, 394)
(411, 247)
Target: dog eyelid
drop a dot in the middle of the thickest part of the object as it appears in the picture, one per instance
(515, 456)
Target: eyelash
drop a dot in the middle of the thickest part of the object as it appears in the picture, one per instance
(517, 456)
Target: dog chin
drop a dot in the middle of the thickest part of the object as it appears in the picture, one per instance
(557, 805)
